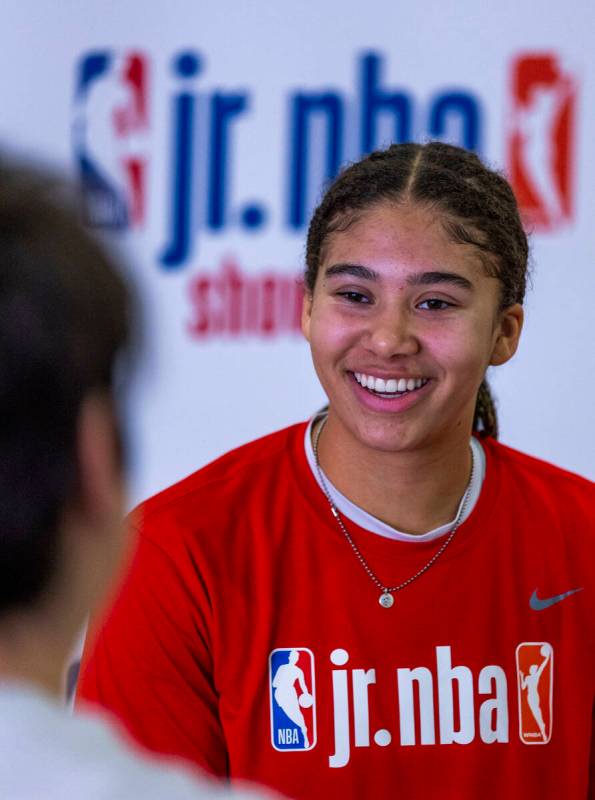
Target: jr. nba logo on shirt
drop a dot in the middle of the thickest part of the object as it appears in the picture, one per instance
(292, 698)
(541, 139)
(535, 681)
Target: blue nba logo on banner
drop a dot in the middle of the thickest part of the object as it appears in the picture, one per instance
(110, 128)
(293, 698)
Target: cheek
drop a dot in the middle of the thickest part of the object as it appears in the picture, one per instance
(330, 334)
(464, 348)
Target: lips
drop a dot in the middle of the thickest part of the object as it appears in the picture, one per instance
(384, 402)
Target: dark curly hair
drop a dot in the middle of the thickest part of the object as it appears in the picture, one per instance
(476, 206)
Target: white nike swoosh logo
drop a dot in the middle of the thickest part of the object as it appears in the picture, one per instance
(538, 605)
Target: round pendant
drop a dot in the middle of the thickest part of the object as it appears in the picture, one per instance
(386, 600)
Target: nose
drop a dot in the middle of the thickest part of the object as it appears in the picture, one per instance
(392, 334)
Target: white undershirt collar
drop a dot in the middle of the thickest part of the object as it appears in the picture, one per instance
(375, 525)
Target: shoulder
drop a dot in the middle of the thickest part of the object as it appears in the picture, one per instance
(84, 754)
(253, 468)
(549, 512)
(537, 479)
(536, 470)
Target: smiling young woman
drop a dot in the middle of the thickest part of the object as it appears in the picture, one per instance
(352, 606)
(398, 303)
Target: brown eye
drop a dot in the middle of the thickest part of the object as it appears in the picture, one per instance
(433, 304)
(354, 297)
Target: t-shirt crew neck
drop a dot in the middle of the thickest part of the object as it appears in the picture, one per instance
(371, 523)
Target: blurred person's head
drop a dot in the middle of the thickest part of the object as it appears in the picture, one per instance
(64, 324)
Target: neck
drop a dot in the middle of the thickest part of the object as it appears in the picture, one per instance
(413, 491)
(34, 649)
(36, 642)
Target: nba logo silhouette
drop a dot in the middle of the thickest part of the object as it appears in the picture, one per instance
(541, 140)
(292, 698)
(109, 131)
(535, 682)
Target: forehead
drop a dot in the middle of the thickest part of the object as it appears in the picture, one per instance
(405, 234)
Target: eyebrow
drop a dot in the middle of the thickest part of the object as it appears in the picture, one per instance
(417, 279)
(351, 269)
(425, 278)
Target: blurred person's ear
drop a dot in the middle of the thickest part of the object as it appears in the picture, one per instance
(100, 472)
(93, 520)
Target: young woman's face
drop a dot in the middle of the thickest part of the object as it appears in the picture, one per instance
(398, 306)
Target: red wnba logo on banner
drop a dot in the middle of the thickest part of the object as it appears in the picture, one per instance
(541, 140)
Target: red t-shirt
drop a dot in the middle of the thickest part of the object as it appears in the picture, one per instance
(247, 637)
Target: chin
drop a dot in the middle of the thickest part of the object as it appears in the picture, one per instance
(384, 438)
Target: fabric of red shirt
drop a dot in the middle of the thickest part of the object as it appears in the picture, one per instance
(244, 557)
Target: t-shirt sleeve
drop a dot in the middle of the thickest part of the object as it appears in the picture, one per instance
(591, 794)
(150, 661)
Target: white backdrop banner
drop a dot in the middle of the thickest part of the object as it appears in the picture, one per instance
(202, 135)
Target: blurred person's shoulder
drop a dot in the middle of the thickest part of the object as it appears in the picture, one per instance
(48, 753)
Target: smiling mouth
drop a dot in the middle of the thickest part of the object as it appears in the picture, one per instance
(390, 388)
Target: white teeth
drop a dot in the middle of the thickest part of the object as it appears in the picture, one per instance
(390, 386)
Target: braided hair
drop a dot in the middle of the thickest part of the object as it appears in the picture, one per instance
(475, 204)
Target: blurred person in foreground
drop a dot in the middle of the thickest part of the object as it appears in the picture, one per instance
(64, 328)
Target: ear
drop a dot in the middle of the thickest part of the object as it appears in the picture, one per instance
(508, 333)
(307, 313)
(100, 470)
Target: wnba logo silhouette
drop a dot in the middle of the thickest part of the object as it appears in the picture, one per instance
(535, 675)
(293, 699)
(541, 140)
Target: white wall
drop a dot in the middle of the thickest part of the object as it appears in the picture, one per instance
(196, 397)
